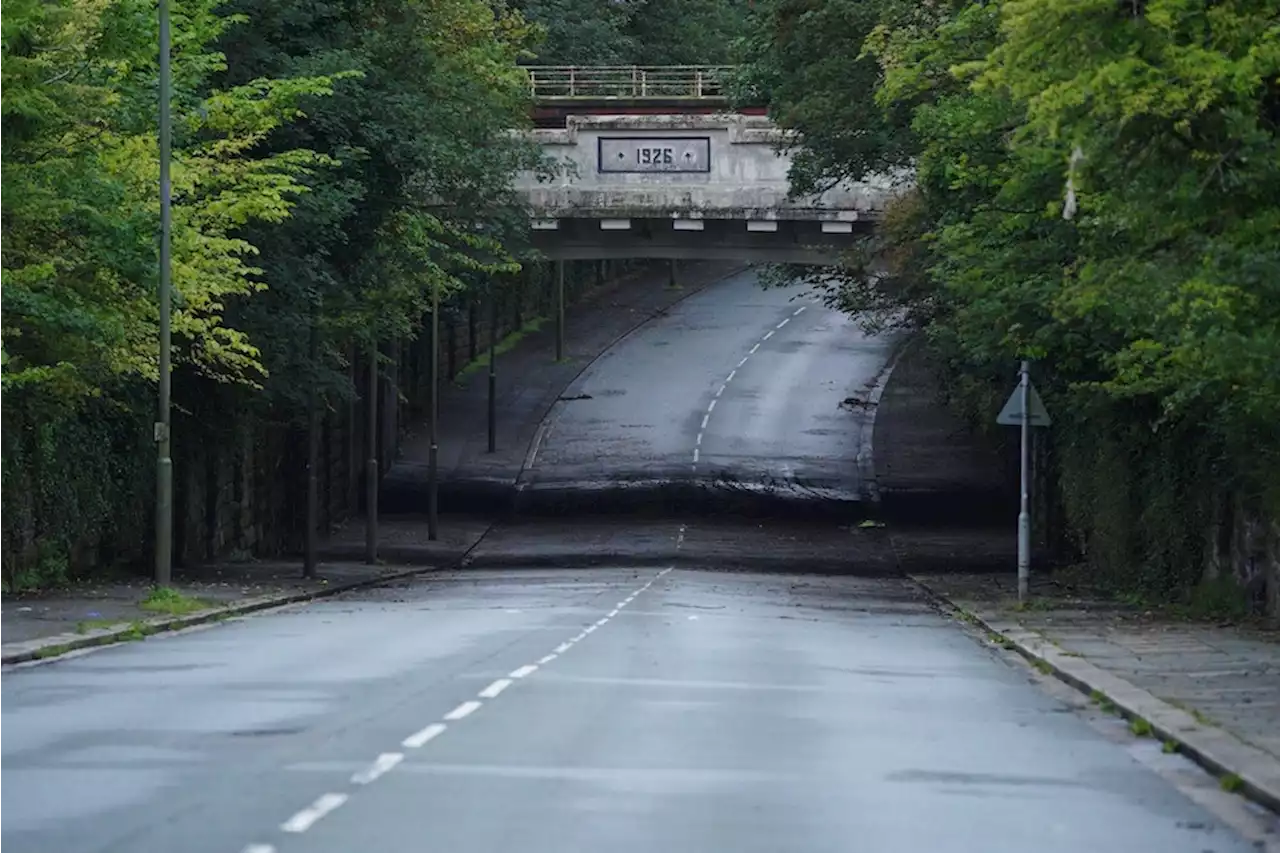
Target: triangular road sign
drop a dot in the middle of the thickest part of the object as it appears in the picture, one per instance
(1011, 414)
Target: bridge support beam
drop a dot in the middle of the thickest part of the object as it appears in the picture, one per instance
(778, 241)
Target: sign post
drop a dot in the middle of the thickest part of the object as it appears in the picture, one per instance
(1024, 409)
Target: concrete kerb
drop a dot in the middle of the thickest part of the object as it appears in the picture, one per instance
(1214, 749)
(49, 649)
(866, 454)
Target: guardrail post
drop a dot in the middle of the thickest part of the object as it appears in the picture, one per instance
(573, 82)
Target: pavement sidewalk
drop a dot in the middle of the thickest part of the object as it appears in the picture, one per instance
(38, 626)
(1211, 691)
(930, 466)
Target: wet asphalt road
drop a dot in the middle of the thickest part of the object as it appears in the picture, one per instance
(551, 710)
(736, 386)
(545, 710)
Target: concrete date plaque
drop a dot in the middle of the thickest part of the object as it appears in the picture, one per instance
(654, 154)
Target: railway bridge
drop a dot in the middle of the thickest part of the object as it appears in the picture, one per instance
(655, 162)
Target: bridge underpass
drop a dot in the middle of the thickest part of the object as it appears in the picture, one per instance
(784, 390)
(652, 163)
(709, 396)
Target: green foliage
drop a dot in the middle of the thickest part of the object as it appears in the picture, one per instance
(169, 602)
(636, 32)
(421, 198)
(333, 164)
(1097, 187)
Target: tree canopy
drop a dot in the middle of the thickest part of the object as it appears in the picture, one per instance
(636, 32)
(1096, 187)
(333, 163)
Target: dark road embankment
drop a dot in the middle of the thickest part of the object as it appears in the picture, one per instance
(725, 403)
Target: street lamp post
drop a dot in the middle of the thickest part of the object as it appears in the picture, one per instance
(371, 465)
(164, 448)
(313, 456)
(493, 368)
(433, 452)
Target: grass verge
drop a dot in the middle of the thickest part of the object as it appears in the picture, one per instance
(505, 345)
(170, 602)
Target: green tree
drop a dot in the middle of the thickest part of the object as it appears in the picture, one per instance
(80, 218)
(1096, 187)
(426, 156)
(636, 32)
(580, 32)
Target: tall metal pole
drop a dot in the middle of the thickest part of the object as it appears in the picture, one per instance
(164, 448)
(433, 457)
(313, 459)
(493, 368)
(1024, 514)
(371, 466)
(559, 308)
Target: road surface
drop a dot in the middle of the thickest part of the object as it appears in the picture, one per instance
(763, 390)
(630, 708)
(547, 711)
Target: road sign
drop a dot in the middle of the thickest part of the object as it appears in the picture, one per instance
(1011, 414)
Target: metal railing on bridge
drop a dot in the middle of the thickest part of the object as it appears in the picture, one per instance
(698, 82)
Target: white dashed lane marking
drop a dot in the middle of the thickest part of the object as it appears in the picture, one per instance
(422, 736)
(387, 761)
(381, 765)
(706, 418)
(466, 709)
(492, 691)
(303, 820)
